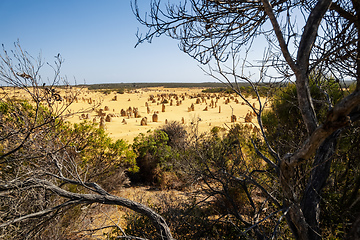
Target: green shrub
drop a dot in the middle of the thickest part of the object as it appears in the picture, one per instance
(218, 90)
(284, 123)
(105, 160)
(120, 90)
(153, 156)
(37, 144)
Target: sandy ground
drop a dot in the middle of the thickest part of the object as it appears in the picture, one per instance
(218, 114)
(138, 99)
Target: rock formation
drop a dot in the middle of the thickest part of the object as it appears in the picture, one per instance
(123, 113)
(102, 122)
(143, 121)
(155, 117)
(248, 118)
(233, 118)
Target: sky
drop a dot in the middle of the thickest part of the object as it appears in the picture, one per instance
(97, 40)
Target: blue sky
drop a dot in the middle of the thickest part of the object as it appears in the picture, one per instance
(96, 39)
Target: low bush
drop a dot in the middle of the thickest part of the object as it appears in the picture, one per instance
(103, 160)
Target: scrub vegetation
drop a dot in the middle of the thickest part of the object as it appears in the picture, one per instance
(294, 174)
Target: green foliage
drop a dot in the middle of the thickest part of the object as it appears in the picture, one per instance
(18, 119)
(105, 161)
(248, 91)
(4, 108)
(284, 123)
(285, 130)
(106, 92)
(94, 151)
(245, 90)
(218, 90)
(44, 146)
(342, 207)
(21, 110)
(225, 153)
(352, 86)
(212, 211)
(120, 90)
(215, 131)
(154, 156)
(158, 157)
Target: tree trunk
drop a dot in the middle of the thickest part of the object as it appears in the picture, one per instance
(303, 214)
(294, 216)
(310, 203)
(160, 224)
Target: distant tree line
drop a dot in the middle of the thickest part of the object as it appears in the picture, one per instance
(247, 91)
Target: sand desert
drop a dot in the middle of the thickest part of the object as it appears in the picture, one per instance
(168, 104)
(155, 106)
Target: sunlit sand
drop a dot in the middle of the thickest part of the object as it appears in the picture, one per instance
(205, 115)
(210, 109)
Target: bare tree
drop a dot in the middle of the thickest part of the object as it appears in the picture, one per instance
(327, 43)
(40, 173)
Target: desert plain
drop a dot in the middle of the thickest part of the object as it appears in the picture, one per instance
(188, 106)
(209, 109)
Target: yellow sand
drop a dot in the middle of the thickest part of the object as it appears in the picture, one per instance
(138, 98)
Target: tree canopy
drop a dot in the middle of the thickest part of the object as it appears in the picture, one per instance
(305, 38)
